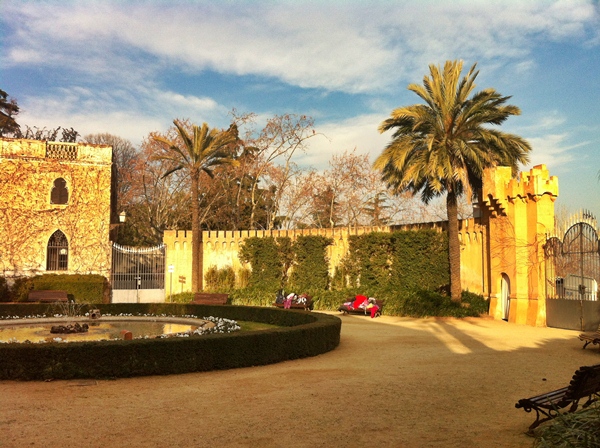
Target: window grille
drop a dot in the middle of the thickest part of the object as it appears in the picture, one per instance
(62, 151)
(58, 252)
(59, 193)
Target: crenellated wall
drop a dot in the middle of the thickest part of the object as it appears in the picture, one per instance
(502, 246)
(221, 248)
(518, 214)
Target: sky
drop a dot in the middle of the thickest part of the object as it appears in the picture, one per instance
(129, 68)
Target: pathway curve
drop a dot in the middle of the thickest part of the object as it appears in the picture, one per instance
(392, 382)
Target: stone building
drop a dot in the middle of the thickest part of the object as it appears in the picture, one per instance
(54, 208)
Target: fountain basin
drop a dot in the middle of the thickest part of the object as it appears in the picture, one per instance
(102, 329)
(299, 334)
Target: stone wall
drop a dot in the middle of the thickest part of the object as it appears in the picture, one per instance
(221, 249)
(28, 171)
(503, 245)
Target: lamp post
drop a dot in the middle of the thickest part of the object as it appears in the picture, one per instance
(171, 270)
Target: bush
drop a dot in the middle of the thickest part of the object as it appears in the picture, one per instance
(579, 429)
(4, 297)
(184, 297)
(311, 267)
(220, 280)
(425, 303)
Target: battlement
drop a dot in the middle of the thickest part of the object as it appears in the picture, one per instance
(500, 187)
(39, 149)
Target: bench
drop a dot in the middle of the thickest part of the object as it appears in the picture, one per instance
(590, 338)
(302, 302)
(47, 296)
(348, 309)
(205, 298)
(584, 384)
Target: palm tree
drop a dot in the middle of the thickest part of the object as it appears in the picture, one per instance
(443, 146)
(198, 152)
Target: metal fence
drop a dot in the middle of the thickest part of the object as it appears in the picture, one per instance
(572, 274)
(138, 267)
(573, 263)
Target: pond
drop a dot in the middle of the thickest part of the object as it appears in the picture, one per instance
(38, 330)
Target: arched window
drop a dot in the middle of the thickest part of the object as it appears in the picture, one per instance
(59, 193)
(58, 252)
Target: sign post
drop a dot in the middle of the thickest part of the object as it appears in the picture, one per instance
(182, 281)
(171, 270)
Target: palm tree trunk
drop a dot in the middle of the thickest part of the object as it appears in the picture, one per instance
(196, 243)
(453, 246)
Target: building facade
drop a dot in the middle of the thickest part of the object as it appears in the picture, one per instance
(54, 208)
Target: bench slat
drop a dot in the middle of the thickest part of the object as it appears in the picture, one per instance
(204, 298)
(47, 295)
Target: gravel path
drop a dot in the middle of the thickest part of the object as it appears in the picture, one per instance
(392, 382)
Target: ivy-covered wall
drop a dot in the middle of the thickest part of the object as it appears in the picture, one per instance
(401, 261)
(29, 216)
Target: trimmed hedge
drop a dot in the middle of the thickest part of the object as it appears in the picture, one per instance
(301, 334)
(86, 288)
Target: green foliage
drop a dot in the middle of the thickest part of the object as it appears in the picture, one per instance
(252, 297)
(242, 278)
(4, 291)
(311, 266)
(219, 280)
(407, 269)
(426, 303)
(270, 259)
(184, 297)
(400, 261)
(579, 429)
(82, 288)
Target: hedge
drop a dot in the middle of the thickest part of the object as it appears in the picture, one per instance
(88, 288)
(300, 334)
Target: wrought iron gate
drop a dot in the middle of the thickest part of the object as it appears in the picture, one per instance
(572, 275)
(138, 274)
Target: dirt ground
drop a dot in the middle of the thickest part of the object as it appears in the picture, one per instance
(392, 382)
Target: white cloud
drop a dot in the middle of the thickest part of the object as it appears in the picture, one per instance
(357, 132)
(351, 46)
(128, 114)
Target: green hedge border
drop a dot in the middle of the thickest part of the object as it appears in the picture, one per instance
(301, 334)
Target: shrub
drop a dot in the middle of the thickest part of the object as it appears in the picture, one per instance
(270, 259)
(82, 288)
(579, 429)
(220, 279)
(4, 297)
(311, 267)
(426, 303)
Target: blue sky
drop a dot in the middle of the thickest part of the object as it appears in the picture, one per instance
(130, 67)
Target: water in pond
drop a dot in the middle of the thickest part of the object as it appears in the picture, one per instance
(98, 331)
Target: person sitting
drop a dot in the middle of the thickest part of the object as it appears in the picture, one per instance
(287, 303)
(372, 306)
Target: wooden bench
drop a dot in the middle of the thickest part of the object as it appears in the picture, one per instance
(47, 296)
(584, 384)
(307, 304)
(350, 310)
(205, 298)
(590, 338)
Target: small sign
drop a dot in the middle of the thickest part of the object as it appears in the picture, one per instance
(182, 279)
(171, 268)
